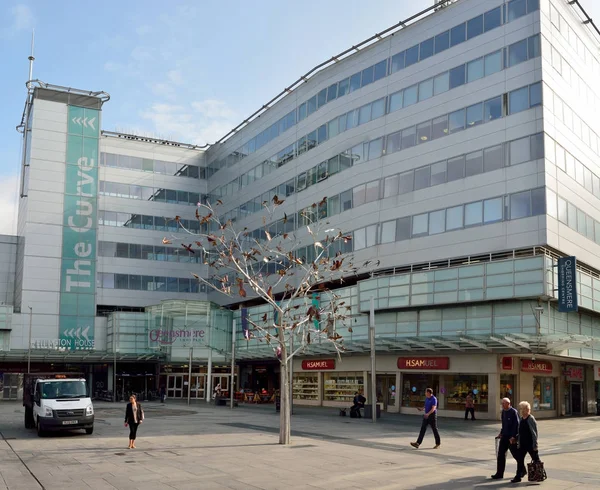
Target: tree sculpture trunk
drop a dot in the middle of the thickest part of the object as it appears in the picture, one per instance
(284, 415)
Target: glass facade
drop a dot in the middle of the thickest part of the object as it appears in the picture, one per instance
(145, 193)
(149, 252)
(401, 140)
(459, 386)
(465, 73)
(414, 386)
(342, 387)
(434, 45)
(151, 165)
(145, 222)
(543, 393)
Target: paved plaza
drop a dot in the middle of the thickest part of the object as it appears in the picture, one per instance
(208, 447)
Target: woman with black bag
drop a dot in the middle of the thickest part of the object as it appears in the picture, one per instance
(134, 416)
(528, 444)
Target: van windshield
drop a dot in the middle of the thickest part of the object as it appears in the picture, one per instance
(63, 389)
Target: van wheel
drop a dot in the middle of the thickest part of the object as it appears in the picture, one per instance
(40, 431)
(89, 431)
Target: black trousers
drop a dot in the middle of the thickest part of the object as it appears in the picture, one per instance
(471, 411)
(356, 409)
(133, 431)
(521, 455)
(432, 421)
(504, 446)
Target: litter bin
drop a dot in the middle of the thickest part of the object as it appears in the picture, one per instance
(369, 413)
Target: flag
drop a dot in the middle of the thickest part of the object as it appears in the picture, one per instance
(245, 327)
(316, 302)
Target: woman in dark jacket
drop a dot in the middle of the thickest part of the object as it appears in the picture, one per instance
(528, 440)
(134, 416)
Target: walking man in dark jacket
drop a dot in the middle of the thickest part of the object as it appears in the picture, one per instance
(508, 437)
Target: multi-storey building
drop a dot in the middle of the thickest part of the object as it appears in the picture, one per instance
(459, 148)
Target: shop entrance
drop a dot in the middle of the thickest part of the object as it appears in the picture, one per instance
(175, 386)
(11, 385)
(386, 390)
(576, 399)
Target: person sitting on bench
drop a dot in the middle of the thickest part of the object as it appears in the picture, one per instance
(359, 402)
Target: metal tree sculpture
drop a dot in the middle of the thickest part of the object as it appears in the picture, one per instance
(264, 265)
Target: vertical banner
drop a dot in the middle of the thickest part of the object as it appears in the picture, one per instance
(245, 327)
(316, 302)
(78, 265)
(567, 284)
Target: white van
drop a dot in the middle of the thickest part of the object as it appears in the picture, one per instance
(59, 404)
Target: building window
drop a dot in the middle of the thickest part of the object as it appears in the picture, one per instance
(414, 386)
(460, 386)
(543, 393)
(342, 387)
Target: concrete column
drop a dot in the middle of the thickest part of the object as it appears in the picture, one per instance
(589, 392)
(494, 409)
(441, 395)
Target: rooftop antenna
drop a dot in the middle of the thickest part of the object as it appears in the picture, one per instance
(31, 59)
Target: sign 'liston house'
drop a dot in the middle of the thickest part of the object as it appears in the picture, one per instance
(461, 153)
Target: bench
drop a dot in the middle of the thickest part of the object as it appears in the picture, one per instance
(224, 402)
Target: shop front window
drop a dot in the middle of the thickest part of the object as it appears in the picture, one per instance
(414, 386)
(459, 386)
(342, 387)
(306, 386)
(543, 393)
(507, 387)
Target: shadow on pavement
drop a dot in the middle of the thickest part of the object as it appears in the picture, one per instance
(470, 482)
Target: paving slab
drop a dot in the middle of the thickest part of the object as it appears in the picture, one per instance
(203, 446)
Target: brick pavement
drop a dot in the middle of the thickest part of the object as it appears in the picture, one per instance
(208, 447)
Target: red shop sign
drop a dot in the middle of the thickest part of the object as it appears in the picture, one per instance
(530, 366)
(423, 363)
(574, 373)
(507, 363)
(318, 365)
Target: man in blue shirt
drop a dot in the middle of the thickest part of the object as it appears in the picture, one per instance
(508, 437)
(429, 418)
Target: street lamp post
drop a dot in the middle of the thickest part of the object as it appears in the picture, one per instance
(29, 347)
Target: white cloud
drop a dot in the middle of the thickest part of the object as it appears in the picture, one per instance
(204, 122)
(8, 204)
(216, 109)
(142, 30)
(175, 77)
(140, 53)
(111, 66)
(21, 18)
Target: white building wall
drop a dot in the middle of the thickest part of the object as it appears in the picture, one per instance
(8, 260)
(499, 236)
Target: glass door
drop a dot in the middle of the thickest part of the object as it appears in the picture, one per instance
(386, 390)
(576, 399)
(175, 386)
(197, 387)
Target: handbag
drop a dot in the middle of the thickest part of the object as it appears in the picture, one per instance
(536, 471)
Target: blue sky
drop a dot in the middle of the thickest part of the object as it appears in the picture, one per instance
(183, 70)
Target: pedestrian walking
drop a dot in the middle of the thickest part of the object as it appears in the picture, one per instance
(134, 416)
(528, 441)
(508, 437)
(470, 406)
(429, 418)
(163, 394)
